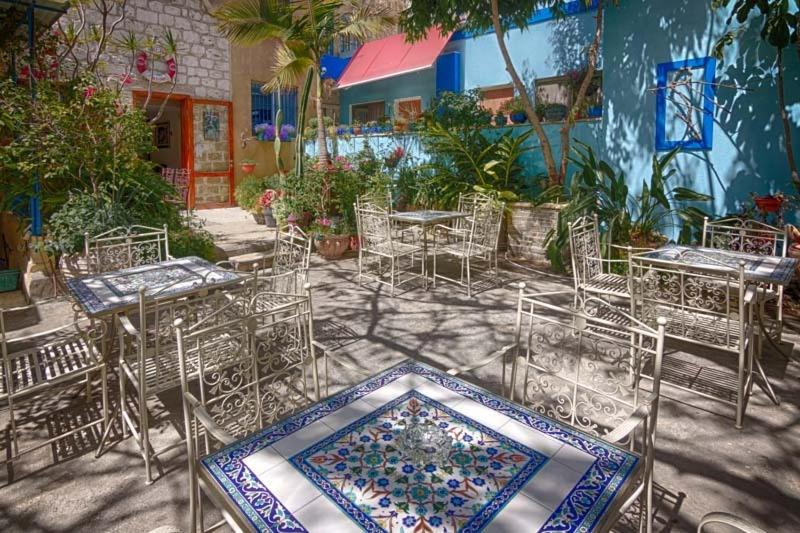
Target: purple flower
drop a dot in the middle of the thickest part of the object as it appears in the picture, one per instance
(287, 132)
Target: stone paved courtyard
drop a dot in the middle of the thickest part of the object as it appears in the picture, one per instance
(703, 463)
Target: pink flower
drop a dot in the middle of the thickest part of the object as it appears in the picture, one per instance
(89, 91)
(325, 222)
(268, 197)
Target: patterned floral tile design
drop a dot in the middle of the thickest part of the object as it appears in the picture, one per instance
(363, 471)
(125, 284)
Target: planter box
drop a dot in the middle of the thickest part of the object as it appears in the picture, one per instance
(528, 227)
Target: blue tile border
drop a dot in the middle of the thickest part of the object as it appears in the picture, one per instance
(580, 511)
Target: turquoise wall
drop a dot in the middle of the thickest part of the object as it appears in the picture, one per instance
(421, 83)
(747, 154)
(543, 50)
(748, 149)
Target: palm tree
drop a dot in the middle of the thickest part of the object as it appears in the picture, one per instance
(305, 30)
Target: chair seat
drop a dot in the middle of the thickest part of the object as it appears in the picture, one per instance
(396, 249)
(460, 249)
(608, 284)
(709, 329)
(49, 364)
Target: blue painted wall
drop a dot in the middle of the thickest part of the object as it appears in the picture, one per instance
(543, 50)
(747, 154)
(421, 83)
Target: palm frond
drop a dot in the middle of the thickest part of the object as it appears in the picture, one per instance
(288, 68)
(253, 21)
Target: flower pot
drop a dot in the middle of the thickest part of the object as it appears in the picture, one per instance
(332, 246)
(269, 219)
(595, 111)
(768, 204)
(355, 242)
(248, 168)
(259, 218)
(500, 120)
(519, 118)
(555, 112)
(356, 130)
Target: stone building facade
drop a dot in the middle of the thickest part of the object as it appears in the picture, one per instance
(200, 100)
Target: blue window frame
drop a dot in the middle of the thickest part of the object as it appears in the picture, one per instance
(264, 106)
(685, 104)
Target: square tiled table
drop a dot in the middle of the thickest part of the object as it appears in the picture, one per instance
(115, 292)
(336, 466)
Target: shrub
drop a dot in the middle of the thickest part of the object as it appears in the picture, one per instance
(248, 193)
(460, 110)
(81, 214)
(192, 240)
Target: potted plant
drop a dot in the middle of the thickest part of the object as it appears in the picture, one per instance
(356, 127)
(329, 244)
(266, 202)
(500, 119)
(516, 110)
(539, 109)
(248, 193)
(248, 166)
(769, 203)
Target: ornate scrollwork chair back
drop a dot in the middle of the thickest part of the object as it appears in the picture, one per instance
(380, 200)
(148, 352)
(292, 251)
(252, 371)
(745, 235)
(588, 368)
(711, 306)
(752, 237)
(125, 247)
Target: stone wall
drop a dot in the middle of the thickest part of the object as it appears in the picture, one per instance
(203, 62)
(211, 190)
(528, 229)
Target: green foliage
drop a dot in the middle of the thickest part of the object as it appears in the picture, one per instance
(305, 193)
(779, 25)
(459, 110)
(80, 214)
(596, 188)
(464, 159)
(248, 191)
(192, 240)
(67, 141)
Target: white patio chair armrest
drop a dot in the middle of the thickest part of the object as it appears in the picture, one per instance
(729, 520)
(128, 327)
(629, 424)
(633, 248)
(210, 425)
(224, 264)
(493, 357)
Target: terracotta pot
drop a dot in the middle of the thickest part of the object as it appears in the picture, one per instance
(248, 168)
(768, 204)
(333, 246)
(355, 242)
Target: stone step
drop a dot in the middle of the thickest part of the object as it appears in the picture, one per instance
(10, 299)
(246, 261)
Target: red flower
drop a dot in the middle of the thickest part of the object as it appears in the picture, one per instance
(89, 91)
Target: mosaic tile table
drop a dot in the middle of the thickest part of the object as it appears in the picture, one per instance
(424, 219)
(757, 268)
(336, 467)
(114, 292)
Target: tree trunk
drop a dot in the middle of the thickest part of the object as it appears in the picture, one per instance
(591, 67)
(547, 150)
(787, 127)
(322, 144)
(300, 138)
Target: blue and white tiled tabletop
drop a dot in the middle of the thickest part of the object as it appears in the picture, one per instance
(336, 466)
(426, 217)
(116, 291)
(757, 268)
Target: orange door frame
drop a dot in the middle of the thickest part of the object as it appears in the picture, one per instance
(187, 133)
(229, 172)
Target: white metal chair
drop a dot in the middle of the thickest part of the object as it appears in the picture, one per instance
(711, 306)
(263, 360)
(292, 251)
(44, 361)
(476, 242)
(126, 247)
(584, 367)
(148, 357)
(379, 245)
(730, 520)
(756, 238)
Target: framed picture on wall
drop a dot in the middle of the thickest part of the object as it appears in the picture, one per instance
(162, 135)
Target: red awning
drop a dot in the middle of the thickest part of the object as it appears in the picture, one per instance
(392, 56)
